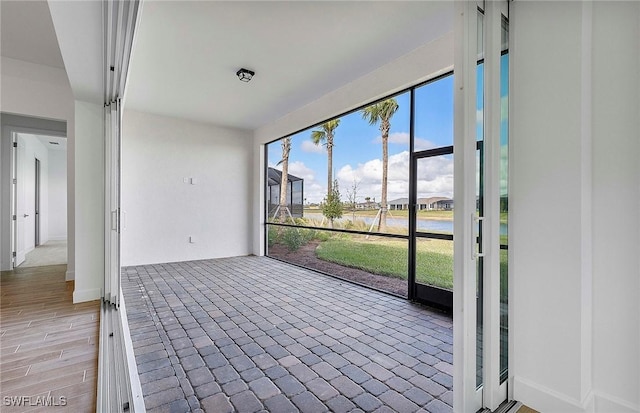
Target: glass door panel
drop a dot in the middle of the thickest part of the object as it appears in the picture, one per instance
(432, 214)
(504, 201)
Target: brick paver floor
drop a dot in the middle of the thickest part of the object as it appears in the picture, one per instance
(252, 334)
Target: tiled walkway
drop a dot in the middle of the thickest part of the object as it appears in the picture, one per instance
(253, 334)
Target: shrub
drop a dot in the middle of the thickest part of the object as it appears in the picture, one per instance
(272, 235)
(293, 239)
(322, 236)
(308, 235)
(332, 206)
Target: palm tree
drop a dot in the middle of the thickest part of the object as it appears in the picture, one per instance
(325, 133)
(284, 182)
(382, 112)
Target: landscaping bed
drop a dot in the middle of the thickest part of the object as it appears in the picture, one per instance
(306, 256)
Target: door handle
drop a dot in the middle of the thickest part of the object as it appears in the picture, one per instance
(26, 215)
(479, 222)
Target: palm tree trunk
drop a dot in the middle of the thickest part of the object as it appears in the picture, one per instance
(329, 170)
(382, 224)
(284, 182)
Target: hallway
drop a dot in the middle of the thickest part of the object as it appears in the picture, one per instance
(49, 253)
(49, 346)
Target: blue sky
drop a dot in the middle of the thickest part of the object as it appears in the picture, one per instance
(357, 150)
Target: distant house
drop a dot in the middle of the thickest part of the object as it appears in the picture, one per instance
(368, 205)
(423, 204)
(295, 193)
(398, 204)
(430, 203)
(444, 205)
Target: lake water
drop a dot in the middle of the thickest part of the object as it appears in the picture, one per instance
(425, 225)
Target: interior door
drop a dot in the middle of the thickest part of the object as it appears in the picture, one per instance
(19, 198)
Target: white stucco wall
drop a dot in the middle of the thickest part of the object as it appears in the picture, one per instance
(89, 202)
(57, 174)
(162, 211)
(616, 206)
(575, 193)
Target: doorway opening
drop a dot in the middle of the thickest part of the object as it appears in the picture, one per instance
(37, 203)
(39, 200)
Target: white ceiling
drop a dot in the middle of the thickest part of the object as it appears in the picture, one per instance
(28, 34)
(59, 145)
(53, 143)
(78, 27)
(187, 53)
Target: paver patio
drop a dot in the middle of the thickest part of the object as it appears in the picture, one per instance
(251, 334)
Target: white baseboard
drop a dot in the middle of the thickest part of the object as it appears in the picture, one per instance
(544, 399)
(69, 275)
(607, 403)
(80, 296)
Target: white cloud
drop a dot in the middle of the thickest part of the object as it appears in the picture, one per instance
(313, 190)
(402, 138)
(300, 170)
(308, 146)
(420, 144)
(435, 177)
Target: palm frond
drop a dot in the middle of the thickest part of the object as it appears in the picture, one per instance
(325, 131)
(317, 136)
(380, 111)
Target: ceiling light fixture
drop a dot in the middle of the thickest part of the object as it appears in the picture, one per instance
(54, 143)
(245, 75)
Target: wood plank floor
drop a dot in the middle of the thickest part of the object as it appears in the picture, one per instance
(525, 409)
(48, 345)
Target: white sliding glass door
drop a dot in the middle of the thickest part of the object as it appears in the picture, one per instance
(481, 202)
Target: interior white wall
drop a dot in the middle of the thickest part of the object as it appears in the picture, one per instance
(424, 63)
(44, 92)
(89, 204)
(35, 149)
(57, 173)
(616, 206)
(162, 211)
(575, 192)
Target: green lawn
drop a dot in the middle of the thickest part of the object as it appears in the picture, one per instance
(389, 257)
(434, 259)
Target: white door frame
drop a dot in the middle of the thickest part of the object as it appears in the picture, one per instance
(468, 397)
(494, 393)
(11, 132)
(18, 201)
